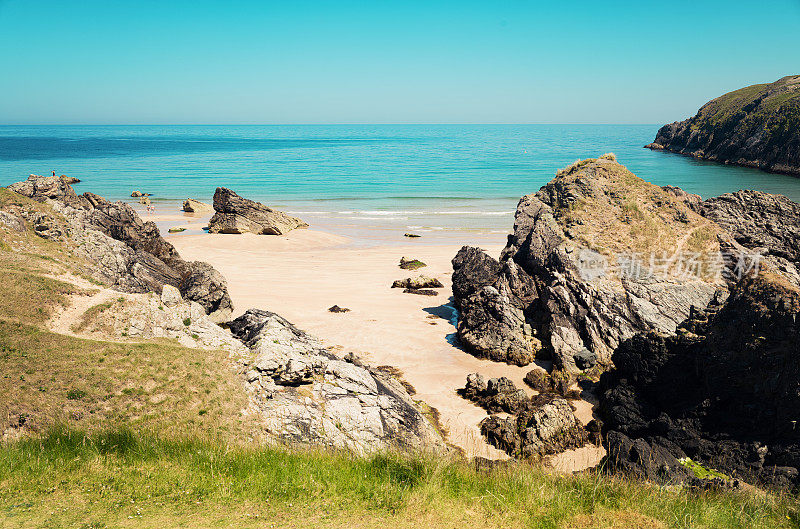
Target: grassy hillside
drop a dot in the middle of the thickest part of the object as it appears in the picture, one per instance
(150, 434)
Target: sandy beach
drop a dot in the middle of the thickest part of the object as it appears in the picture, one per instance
(301, 274)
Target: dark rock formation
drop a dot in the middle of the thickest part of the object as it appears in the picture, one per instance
(539, 426)
(338, 309)
(496, 395)
(757, 126)
(575, 277)
(491, 322)
(543, 429)
(724, 391)
(420, 291)
(235, 214)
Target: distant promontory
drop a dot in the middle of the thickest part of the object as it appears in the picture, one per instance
(757, 126)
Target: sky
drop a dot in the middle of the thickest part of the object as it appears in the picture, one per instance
(303, 61)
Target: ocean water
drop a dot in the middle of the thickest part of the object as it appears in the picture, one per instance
(357, 178)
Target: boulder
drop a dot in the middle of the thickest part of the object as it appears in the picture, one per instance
(191, 205)
(304, 394)
(71, 179)
(208, 287)
(234, 214)
(544, 428)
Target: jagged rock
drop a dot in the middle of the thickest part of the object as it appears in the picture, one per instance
(207, 286)
(338, 309)
(496, 395)
(235, 214)
(136, 194)
(758, 220)
(573, 279)
(542, 429)
(41, 188)
(191, 205)
(559, 382)
(71, 179)
(724, 391)
(131, 255)
(171, 296)
(411, 264)
(303, 393)
(417, 282)
(756, 126)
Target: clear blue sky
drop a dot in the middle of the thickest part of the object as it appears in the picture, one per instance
(297, 61)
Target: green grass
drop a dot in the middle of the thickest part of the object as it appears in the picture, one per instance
(117, 478)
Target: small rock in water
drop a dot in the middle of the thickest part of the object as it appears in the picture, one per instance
(176, 229)
(70, 179)
(411, 264)
(136, 194)
(411, 235)
(337, 308)
(421, 291)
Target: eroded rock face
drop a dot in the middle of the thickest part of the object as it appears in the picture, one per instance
(756, 126)
(300, 392)
(724, 391)
(235, 214)
(573, 281)
(758, 220)
(130, 254)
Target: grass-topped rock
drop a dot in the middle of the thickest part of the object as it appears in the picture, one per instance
(597, 256)
(757, 126)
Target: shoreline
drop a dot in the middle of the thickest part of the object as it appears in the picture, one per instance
(301, 274)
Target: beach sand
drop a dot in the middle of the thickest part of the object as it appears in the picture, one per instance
(301, 274)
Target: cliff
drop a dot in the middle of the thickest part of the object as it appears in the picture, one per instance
(757, 126)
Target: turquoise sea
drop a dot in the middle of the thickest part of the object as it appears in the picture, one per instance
(426, 178)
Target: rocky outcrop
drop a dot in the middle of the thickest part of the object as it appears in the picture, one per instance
(758, 220)
(597, 256)
(538, 426)
(235, 214)
(300, 392)
(757, 126)
(41, 188)
(130, 254)
(724, 391)
(191, 205)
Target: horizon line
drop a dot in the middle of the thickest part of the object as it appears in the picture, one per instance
(309, 124)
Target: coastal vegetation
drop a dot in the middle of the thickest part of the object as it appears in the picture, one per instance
(756, 126)
(125, 478)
